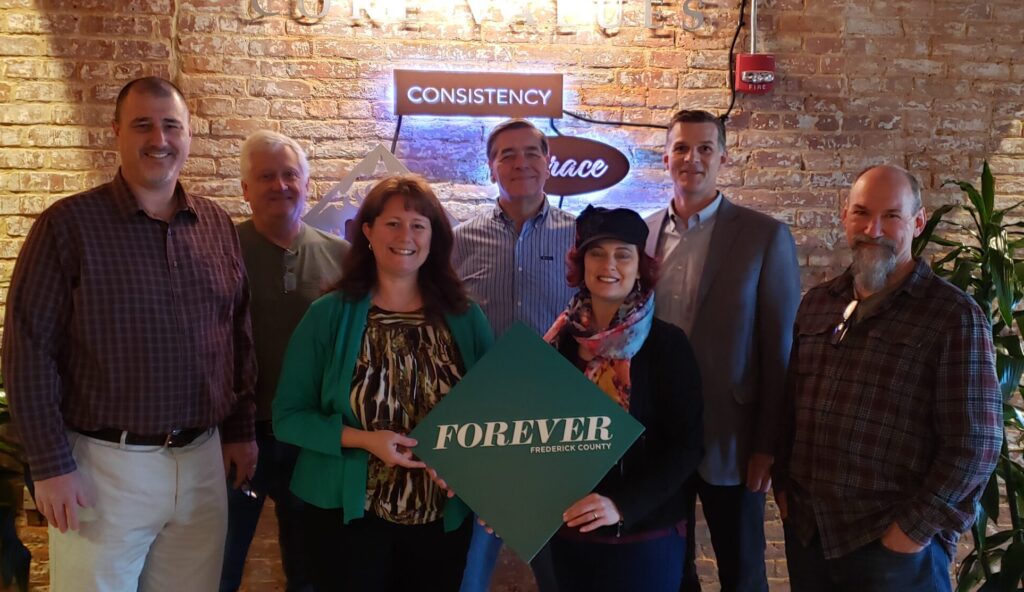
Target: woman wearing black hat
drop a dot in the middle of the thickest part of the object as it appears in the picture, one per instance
(629, 533)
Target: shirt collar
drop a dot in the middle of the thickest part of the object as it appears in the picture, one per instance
(129, 205)
(705, 215)
(541, 214)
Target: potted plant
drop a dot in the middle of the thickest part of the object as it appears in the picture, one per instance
(14, 557)
(980, 257)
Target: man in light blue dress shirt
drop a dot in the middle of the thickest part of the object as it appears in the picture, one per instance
(512, 260)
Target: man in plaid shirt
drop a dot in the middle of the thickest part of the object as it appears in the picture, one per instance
(893, 409)
(128, 355)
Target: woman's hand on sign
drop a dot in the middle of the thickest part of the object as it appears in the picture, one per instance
(391, 447)
(440, 482)
(591, 513)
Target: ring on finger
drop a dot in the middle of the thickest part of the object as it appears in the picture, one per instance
(595, 515)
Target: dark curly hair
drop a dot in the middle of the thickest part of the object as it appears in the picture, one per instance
(441, 289)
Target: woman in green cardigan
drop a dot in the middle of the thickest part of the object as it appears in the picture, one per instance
(368, 361)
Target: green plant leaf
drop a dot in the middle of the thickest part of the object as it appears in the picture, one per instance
(950, 256)
(990, 500)
(1012, 566)
(1002, 282)
(921, 241)
(969, 574)
(961, 276)
(998, 538)
(1009, 209)
(1009, 371)
(975, 199)
(988, 187)
(1012, 416)
(945, 242)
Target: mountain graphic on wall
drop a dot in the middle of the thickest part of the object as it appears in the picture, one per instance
(338, 206)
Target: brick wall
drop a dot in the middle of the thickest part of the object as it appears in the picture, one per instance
(934, 85)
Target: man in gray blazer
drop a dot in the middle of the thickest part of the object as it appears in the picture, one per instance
(730, 279)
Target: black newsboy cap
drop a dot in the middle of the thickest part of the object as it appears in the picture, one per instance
(594, 224)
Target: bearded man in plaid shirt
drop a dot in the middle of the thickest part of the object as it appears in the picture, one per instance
(893, 409)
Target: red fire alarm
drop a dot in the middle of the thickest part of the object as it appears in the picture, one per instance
(755, 72)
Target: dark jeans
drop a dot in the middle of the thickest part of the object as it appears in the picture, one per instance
(273, 474)
(372, 555)
(735, 517)
(871, 568)
(652, 566)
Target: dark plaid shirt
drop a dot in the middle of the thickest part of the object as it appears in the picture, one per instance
(117, 320)
(902, 422)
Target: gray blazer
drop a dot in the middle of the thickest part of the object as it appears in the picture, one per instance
(747, 300)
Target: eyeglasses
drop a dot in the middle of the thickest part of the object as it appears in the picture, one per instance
(839, 333)
(289, 280)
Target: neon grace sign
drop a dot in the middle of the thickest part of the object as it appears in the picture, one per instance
(579, 165)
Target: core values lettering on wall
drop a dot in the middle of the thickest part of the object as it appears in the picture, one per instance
(477, 93)
(580, 165)
(609, 15)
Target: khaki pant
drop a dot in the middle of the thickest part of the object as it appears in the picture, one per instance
(158, 522)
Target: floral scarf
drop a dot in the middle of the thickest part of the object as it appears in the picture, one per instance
(612, 348)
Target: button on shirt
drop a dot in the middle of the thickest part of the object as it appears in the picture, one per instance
(900, 422)
(682, 249)
(117, 320)
(516, 277)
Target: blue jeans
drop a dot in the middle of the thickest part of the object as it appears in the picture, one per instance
(483, 555)
(871, 568)
(655, 565)
(273, 475)
(480, 560)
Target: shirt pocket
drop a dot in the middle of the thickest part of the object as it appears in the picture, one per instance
(903, 370)
(220, 280)
(813, 339)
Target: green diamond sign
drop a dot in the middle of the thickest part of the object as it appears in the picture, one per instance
(522, 437)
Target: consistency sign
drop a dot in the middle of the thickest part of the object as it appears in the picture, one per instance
(477, 93)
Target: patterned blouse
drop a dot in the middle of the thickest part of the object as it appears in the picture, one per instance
(406, 365)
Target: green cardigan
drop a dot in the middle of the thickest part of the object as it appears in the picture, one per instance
(312, 403)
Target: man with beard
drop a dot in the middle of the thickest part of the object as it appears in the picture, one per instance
(894, 412)
(129, 364)
(290, 264)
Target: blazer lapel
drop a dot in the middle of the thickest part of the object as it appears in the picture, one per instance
(654, 224)
(718, 250)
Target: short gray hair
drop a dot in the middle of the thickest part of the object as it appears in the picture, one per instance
(915, 186)
(270, 141)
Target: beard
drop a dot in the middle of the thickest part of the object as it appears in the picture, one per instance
(873, 260)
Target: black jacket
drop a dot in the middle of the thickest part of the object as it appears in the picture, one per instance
(647, 484)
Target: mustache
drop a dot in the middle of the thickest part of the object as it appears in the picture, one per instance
(863, 239)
